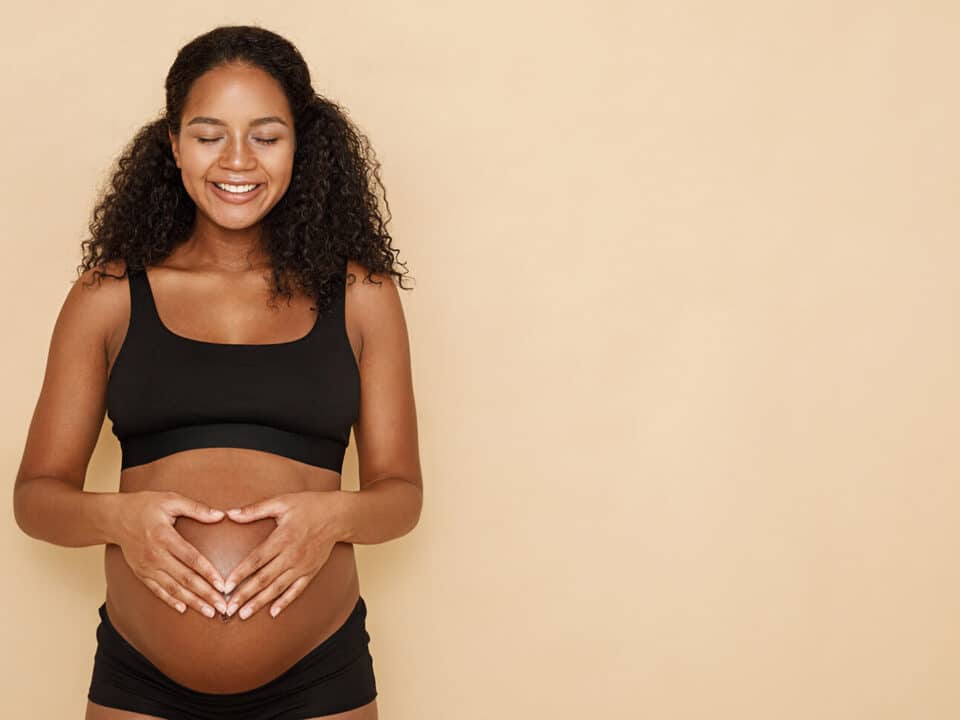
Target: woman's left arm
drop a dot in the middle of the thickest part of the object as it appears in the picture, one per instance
(390, 497)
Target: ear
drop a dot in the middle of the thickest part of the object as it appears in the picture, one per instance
(175, 146)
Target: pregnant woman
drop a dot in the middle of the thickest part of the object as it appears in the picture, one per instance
(232, 590)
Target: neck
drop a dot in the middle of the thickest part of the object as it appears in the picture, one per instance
(215, 247)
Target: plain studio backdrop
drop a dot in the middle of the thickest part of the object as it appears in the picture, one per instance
(685, 344)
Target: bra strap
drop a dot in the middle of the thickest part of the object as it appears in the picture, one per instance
(143, 313)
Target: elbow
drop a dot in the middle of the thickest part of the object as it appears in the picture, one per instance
(417, 509)
(412, 504)
(21, 507)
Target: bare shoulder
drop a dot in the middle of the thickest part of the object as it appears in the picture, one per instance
(98, 300)
(373, 303)
(101, 280)
(371, 294)
(362, 277)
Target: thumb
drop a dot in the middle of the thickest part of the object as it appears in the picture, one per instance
(197, 510)
(254, 511)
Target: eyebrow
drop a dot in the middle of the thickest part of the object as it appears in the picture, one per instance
(201, 120)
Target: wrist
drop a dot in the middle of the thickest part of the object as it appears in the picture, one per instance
(111, 515)
(341, 514)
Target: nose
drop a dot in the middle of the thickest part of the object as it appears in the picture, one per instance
(237, 156)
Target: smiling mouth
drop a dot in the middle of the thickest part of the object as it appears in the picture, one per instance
(236, 194)
(237, 189)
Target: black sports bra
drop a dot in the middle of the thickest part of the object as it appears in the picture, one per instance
(167, 393)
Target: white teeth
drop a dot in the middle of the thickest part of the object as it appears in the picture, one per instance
(235, 188)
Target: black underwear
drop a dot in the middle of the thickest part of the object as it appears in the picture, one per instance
(334, 677)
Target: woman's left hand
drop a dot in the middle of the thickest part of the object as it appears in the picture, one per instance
(290, 556)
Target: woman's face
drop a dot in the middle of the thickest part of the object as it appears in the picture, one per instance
(236, 131)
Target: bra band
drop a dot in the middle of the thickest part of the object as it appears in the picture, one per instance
(321, 452)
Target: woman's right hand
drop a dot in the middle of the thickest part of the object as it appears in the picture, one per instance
(171, 567)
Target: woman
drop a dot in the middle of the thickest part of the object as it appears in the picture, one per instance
(232, 590)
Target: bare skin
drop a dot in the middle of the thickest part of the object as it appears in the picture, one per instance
(213, 288)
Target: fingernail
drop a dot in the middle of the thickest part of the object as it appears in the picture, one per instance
(217, 513)
(274, 611)
(218, 585)
(233, 511)
(222, 607)
(232, 609)
(230, 587)
(245, 613)
(208, 611)
(181, 607)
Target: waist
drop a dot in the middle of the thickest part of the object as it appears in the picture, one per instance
(226, 477)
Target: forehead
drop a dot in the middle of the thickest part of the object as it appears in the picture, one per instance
(233, 92)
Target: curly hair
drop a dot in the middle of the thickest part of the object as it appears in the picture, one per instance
(329, 213)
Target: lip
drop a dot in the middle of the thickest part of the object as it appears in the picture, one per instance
(236, 198)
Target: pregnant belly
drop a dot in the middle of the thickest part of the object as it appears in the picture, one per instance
(213, 655)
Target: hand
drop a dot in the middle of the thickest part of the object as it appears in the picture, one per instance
(166, 563)
(290, 556)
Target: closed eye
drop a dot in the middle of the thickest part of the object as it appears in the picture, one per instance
(265, 141)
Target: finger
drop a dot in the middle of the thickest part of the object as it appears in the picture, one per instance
(271, 507)
(198, 585)
(170, 583)
(259, 556)
(256, 583)
(164, 595)
(188, 507)
(273, 590)
(196, 560)
(288, 597)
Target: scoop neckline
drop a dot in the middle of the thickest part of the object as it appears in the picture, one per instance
(184, 338)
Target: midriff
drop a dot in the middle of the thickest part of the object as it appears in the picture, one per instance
(210, 655)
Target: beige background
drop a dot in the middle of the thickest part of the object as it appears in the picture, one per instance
(685, 341)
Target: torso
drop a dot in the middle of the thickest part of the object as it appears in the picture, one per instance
(210, 655)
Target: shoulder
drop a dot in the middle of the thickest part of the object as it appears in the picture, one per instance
(98, 299)
(101, 285)
(104, 275)
(373, 299)
(370, 290)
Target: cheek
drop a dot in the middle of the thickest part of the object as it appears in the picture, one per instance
(193, 177)
(280, 166)
(193, 167)
(280, 173)
(282, 188)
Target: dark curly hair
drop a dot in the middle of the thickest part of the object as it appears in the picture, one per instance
(328, 214)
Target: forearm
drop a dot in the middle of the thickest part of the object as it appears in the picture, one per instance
(55, 511)
(380, 512)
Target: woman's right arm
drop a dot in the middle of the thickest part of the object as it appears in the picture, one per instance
(48, 498)
(49, 501)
